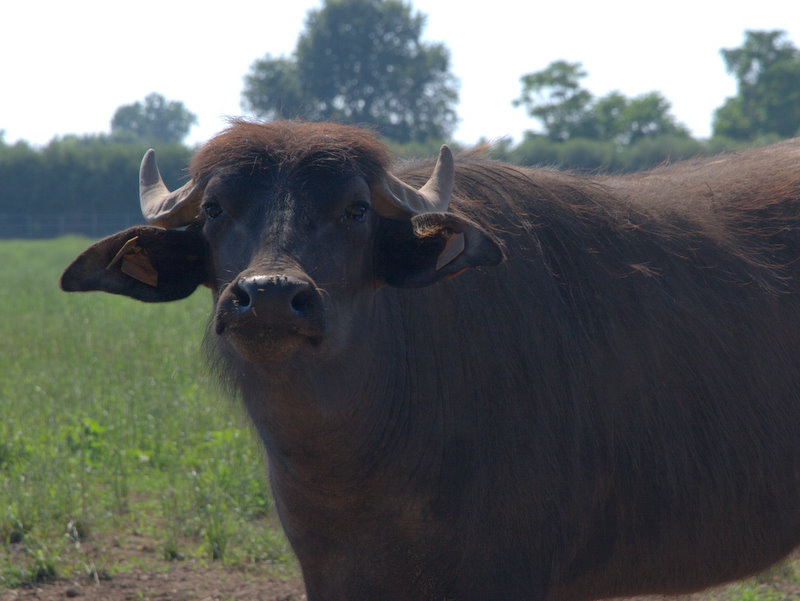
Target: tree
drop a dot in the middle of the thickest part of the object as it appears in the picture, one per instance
(608, 116)
(648, 116)
(273, 89)
(157, 120)
(555, 97)
(568, 111)
(767, 71)
(361, 62)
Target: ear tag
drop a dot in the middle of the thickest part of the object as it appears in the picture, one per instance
(135, 263)
(453, 248)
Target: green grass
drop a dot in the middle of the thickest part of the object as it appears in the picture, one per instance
(113, 437)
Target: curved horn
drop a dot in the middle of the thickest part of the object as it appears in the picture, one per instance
(397, 199)
(159, 205)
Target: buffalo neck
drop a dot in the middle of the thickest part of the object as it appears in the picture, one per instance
(319, 415)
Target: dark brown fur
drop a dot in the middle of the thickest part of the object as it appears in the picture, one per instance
(250, 149)
(613, 410)
(663, 310)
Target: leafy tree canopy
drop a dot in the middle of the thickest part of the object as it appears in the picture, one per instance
(767, 71)
(567, 111)
(555, 97)
(361, 62)
(156, 120)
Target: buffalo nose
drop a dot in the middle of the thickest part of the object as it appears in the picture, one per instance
(274, 304)
(277, 297)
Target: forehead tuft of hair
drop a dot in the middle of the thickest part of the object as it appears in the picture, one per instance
(248, 147)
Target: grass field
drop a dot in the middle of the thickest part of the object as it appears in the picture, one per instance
(119, 457)
(112, 435)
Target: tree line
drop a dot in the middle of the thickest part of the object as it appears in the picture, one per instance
(618, 133)
(364, 62)
(89, 174)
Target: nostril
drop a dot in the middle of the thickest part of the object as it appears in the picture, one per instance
(242, 297)
(304, 302)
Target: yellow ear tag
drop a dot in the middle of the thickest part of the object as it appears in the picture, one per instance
(135, 263)
(453, 248)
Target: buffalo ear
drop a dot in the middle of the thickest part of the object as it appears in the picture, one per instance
(432, 246)
(146, 263)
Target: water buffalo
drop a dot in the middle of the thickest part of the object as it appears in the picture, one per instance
(477, 381)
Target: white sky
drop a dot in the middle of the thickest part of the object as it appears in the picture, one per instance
(66, 66)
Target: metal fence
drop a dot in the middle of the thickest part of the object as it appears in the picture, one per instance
(92, 225)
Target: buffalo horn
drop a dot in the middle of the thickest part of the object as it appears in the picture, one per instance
(397, 199)
(160, 206)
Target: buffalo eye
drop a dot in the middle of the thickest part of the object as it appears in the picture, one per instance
(212, 209)
(356, 212)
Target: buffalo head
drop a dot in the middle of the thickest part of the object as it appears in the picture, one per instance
(293, 227)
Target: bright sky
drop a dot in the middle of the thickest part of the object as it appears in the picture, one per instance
(66, 66)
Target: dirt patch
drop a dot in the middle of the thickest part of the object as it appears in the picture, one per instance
(179, 583)
(130, 567)
(195, 581)
(188, 583)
